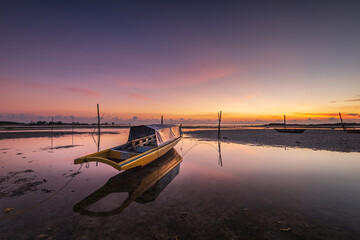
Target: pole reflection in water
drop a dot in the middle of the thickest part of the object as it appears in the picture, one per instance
(98, 143)
(142, 184)
(220, 158)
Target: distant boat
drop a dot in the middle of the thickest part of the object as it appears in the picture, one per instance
(141, 185)
(353, 130)
(348, 130)
(145, 144)
(295, 130)
(289, 130)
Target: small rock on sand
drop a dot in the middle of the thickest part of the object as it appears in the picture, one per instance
(8, 210)
(43, 236)
(45, 190)
(73, 175)
(285, 229)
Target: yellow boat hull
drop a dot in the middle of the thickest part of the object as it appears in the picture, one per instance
(135, 160)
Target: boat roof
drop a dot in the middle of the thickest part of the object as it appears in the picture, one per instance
(164, 132)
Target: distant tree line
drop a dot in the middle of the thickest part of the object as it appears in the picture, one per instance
(10, 123)
(55, 123)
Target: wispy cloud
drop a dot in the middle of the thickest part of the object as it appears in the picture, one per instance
(328, 115)
(12, 81)
(7, 81)
(82, 91)
(177, 77)
(317, 114)
(136, 96)
(353, 100)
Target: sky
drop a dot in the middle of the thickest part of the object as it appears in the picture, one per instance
(186, 60)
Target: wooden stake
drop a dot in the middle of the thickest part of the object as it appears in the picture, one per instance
(72, 125)
(72, 131)
(52, 131)
(98, 113)
(162, 119)
(284, 122)
(98, 119)
(219, 117)
(342, 122)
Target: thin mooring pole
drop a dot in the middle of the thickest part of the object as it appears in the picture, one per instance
(98, 113)
(342, 122)
(284, 121)
(72, 124)
(98, 119)
(72, 131)
(162, 119)
(52, 131)
(219, 117)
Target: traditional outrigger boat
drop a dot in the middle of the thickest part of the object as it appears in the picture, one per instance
(294, 130)
(289, 130)
(145, 144)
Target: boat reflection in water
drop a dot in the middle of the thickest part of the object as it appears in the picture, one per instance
(142, 184)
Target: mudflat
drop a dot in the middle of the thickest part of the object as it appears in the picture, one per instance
(331, 140)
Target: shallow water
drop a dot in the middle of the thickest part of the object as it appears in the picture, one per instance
(252, 192)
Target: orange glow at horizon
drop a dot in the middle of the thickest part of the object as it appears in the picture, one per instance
(198, 103)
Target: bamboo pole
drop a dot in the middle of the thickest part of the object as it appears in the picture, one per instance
(52, 131)
(219, 117)
(162, 119)
(284, 121)
(72, 131)
(98, 113)
(342, 122)
(72, 124)
(220, 158)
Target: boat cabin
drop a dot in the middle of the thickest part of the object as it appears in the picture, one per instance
(144, 138)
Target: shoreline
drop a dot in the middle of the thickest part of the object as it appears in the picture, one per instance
(33, 134)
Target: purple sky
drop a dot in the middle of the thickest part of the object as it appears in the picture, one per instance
(254, 60)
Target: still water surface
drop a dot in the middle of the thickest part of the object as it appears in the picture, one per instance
(251, 192)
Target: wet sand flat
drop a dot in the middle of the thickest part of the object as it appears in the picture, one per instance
(331, 140)
(37, 134)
